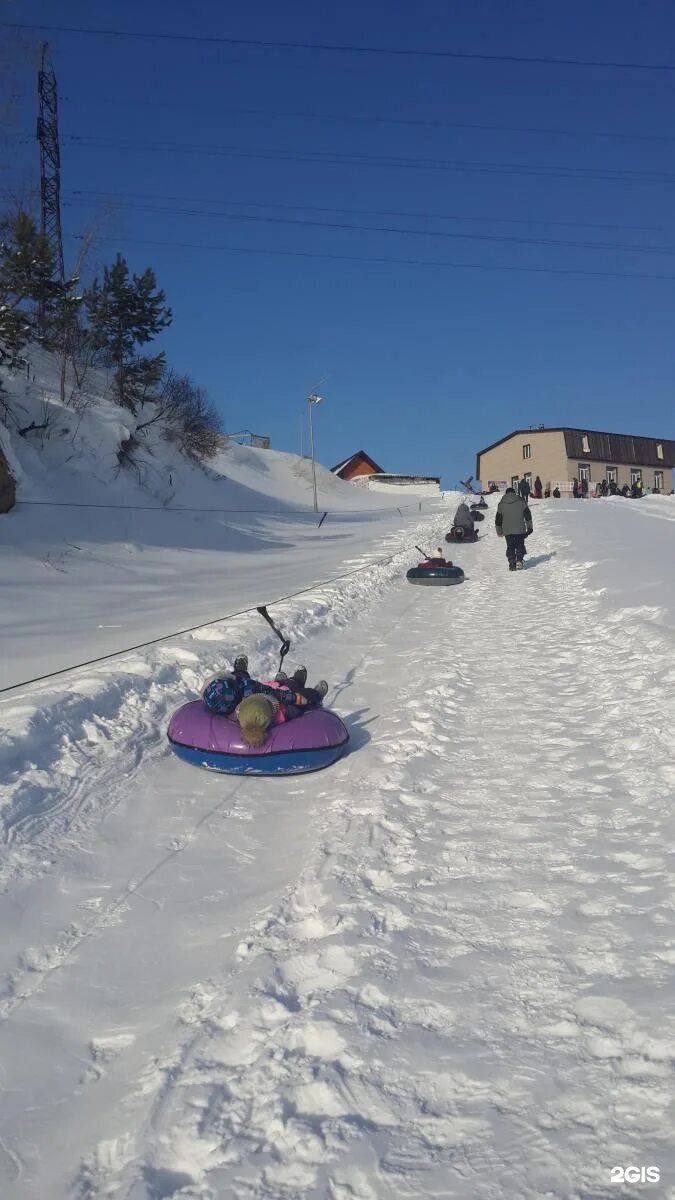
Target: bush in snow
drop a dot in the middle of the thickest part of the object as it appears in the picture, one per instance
(190, 418)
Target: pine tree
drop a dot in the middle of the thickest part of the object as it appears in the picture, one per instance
(125, 312)
(33, 304)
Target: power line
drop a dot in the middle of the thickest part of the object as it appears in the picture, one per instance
(365, 118)
(360, 258)
(370, 212)
(511, 239)
(347, 48)
(379, 160)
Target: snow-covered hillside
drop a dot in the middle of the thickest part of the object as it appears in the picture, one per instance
(98, 555)
(443, 968)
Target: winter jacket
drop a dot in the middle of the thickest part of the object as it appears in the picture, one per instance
(524, 489)
(463, 517)
(513, 515)
(224, 693)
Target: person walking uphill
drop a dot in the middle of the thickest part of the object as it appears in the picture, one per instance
(514, 522)
(524, 489)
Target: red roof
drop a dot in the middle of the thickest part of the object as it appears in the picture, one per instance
(365, 458)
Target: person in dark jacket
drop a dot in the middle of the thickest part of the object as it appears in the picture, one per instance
(464, 518)
(523, 489)
(538, 487)
(583, 488)
(513, 521)
(575, 489)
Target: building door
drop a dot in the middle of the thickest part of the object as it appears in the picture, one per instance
(658, 481)
(584, 472)
(612, 474)
(635, 475)
(514, 482)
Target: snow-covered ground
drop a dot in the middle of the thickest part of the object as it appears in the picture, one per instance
(98, 556)
(442, 968)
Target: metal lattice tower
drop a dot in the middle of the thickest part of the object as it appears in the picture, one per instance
(50, 160)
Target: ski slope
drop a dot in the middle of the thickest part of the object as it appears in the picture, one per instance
(443, 968)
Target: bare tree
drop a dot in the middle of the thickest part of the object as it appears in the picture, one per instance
(189, 417)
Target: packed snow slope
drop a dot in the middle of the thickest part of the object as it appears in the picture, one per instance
(442, 969)
(100, 553)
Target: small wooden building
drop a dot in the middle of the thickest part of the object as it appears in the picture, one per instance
(357, 465)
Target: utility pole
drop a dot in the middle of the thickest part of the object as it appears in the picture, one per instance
(312, 400)
(50, 163)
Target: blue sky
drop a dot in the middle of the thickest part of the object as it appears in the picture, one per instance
(421, 365)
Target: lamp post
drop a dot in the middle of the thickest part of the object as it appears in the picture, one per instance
(312, 400)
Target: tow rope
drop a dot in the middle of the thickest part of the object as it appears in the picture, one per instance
(285, 642)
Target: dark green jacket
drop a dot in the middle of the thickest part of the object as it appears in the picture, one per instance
(513, 515)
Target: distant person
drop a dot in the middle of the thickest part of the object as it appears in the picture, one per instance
(613, 487)
(556, 492)
(575, 488)
(463, 521)
(538, 488)
(583, 488)
(513, 521)
(523, 489)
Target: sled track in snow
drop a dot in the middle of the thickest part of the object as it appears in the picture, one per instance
(441, 926)
(94, 738)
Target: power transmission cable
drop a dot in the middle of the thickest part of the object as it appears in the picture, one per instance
(347, 48)
(408, 232)
(361, 258)
(370, 212)
(358, 160)
(368, 119)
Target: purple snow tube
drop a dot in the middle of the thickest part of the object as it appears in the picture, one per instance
(308, 743)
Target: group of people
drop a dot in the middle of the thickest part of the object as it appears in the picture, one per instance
(611, 488)
(526, 489)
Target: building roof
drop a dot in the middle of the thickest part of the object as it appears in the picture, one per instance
(625, 448)
(364, 458)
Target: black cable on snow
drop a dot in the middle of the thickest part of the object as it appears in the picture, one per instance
(168, 637)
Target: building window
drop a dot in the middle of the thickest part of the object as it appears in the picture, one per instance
(658, 481)
(635, 475)
(612, 474)
(659, 450)
(584, 472)
(585, 444)
(527, 450)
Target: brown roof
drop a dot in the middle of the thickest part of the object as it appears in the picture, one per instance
(624, 448)
(364, 458)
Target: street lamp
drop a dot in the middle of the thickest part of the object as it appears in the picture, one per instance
(312, 400)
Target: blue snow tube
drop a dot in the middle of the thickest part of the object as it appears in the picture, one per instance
(435, 576)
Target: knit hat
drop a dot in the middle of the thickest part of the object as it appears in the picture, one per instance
(255, 715)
